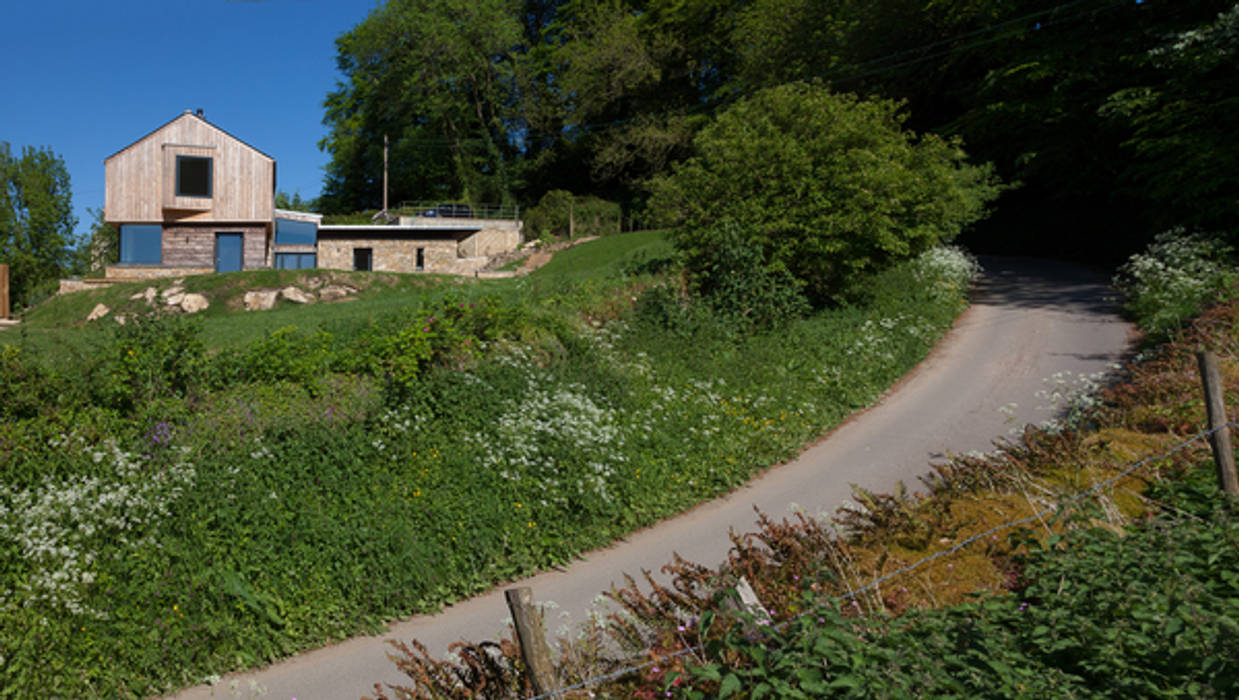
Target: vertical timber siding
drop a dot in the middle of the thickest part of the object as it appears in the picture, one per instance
(141, 179)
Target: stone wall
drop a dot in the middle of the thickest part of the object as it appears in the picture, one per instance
(77, 285)
(494, 238)
(466, 266)
(194, 244)
(131, 273)
(389, 255)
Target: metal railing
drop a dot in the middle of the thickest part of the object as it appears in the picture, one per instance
(457, 210)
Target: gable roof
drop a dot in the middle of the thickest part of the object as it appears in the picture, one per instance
(188, 114)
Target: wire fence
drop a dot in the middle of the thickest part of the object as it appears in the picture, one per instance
(962, 544)
(457, 210)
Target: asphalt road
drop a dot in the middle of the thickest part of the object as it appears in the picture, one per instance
(1034, 326)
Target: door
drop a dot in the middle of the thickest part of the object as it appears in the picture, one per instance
(228, 252)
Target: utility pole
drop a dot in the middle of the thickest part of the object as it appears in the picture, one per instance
(384, 173)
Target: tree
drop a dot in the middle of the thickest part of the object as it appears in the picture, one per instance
(826, 187)
(295, 202)
(1182, 123)
(36, 219)
(435, 77)
(101, 246)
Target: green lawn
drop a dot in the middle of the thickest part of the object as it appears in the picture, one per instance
(606, 256)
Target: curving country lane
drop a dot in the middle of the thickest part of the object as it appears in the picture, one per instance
(1030, 321)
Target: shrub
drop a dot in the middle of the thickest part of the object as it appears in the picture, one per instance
(740, 286)
(589, 216)
(1173, 279)
(28, 387)
(155, 357)
(827, 187)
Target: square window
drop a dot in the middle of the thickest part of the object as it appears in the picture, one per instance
(193, 176)
(141, 243)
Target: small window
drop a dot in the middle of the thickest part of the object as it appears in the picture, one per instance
(363, 258)
(421, 258)
(141, 243)
(289, 232)
(295, 261)
(193, 176)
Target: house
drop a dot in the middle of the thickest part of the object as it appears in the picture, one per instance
(190, 198)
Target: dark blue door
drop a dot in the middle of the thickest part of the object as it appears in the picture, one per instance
(228, 252)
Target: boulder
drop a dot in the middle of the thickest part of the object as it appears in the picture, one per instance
(193, 303)
(261, 299)
(148, 294)
(296, 295)
(98, 312)
(174, 290)
(335, 292)
(174, 299)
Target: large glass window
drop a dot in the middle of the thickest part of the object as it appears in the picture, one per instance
(289, 232)
(141, 243)
(193, 176)
(295, 261)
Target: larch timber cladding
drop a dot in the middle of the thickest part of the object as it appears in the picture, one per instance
(194, 246)
(140, 179)
(388, 255)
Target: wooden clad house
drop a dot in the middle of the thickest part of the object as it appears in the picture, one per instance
(190, 198)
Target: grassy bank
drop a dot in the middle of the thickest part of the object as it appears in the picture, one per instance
(194, 497)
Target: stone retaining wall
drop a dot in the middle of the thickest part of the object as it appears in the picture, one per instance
(135, 273)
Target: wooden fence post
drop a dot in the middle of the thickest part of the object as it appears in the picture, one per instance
(529, 635)
(4, 291)
(1215, 405)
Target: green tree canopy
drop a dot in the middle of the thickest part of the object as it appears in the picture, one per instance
(435, 76)
(827, 187)
(36, 219)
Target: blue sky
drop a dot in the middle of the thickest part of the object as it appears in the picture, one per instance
(87, 78)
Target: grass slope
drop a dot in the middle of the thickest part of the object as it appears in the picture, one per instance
(606, 257)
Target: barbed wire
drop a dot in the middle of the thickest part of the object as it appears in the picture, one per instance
(921, 562)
